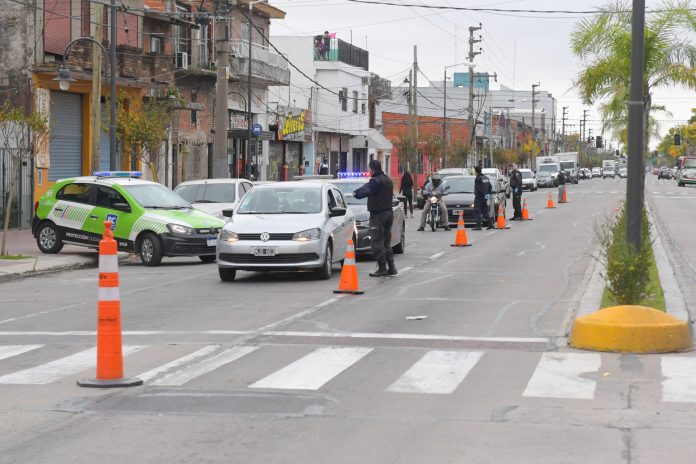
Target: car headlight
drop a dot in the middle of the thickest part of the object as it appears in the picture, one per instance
(307, 235)
(362, 224)
(180, 230)
(228, 236)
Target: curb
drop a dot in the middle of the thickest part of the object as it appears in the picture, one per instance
(87, 262)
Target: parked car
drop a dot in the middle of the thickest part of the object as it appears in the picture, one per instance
(301, 225)
(500, 178)
(596, 172)
(529, 180)
(623, 172)
(460, 197)
(665, 173)
(218, 197)
(363, 242)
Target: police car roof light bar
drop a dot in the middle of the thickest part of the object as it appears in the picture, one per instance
(345, 175)
(118, 174)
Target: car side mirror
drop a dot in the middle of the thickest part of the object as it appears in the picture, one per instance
(125, 207)
(395, 202)
(447, 187)
(337, 211)
(227, 212)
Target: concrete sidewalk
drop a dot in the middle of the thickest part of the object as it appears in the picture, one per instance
(20, 242)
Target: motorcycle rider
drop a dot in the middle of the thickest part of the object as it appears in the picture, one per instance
(434, 187)
(482, 193)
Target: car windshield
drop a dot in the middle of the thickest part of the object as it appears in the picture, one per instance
(156, 196)
(207, 193)
(567, 165)
(459, 184)
(690, 163)
(526, 175)
(548, 169)
(347, 190)
(282, 200)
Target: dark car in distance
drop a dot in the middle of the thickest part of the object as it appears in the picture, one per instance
(460, 197)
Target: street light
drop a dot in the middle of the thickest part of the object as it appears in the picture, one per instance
(64, 80)
(249, 120)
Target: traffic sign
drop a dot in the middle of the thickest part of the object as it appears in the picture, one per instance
(256, 129)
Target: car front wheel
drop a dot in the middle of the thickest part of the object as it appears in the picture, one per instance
(48, 238)
(325, 271)
(150, 250)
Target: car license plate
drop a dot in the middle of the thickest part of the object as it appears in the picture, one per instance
(212, 242)
(457, 212)
(264, 251)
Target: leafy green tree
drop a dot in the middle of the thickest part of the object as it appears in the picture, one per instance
(603, 42)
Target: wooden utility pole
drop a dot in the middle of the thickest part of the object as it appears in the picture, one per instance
(95, 103)
(415, 95)
(472, 55)
(532, 154)
(222, 118)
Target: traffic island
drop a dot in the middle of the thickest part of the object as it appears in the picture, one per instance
(631, 329)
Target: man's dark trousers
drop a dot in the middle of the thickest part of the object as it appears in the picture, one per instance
(380, 233)
(517, 202)
(481, 210)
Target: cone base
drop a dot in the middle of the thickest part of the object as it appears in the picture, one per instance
(528, 219)
(350, 292)
(115, 383)
(501, 228)
(464, 245)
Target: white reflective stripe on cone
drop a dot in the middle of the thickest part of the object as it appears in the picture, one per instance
(349, 262)
(108, 263)
(109, 294)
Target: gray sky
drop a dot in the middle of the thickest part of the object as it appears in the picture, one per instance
(521, 50)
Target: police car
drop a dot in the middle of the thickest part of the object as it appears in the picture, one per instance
(147, 218)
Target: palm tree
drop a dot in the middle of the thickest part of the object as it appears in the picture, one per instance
(604, 42)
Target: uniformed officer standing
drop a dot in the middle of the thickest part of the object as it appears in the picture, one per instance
(482, 192)
(516, 185)
(561, 180)
(379, 192)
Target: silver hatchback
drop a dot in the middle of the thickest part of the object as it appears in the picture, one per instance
(286, 226)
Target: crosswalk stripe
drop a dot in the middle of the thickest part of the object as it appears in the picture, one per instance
(437, 372)
(183, 376)
(559, 375)
(314, 370)
(9, 351)
(152, 373)
(54, 370)
(679, 379)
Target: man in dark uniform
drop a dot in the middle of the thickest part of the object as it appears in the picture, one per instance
(561, 181)
(379, 192)
(324, 167)
(516, 186)
(482, 192)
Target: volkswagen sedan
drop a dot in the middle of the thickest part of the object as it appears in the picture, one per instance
(286, 226)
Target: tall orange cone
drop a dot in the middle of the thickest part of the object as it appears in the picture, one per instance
(349, 273)
(525, 211)
(109, 346)
(460, 239)
(564, 198)
(549, 203)
(501, 219)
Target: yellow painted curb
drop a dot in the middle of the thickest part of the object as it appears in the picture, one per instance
(631, 329)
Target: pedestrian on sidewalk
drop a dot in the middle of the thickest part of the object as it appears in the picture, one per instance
(516, 186)
(379, 192)
(406, 189)
(561, 180)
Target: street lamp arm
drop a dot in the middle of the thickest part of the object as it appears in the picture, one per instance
(67, 49)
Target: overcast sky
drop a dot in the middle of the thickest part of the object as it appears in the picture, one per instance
(521, 48)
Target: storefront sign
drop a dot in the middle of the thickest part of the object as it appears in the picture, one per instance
(294, 124)
(238, 120)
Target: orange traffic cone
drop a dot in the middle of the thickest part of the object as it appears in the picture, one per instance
(525, 211)
(460, 239)
(109, 347)
(501, 219)
(564, 198)
(349, 273)
(549, 203)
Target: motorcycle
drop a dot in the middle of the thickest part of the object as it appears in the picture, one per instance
(434, 216)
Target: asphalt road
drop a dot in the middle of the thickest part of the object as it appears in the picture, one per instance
(460, 358)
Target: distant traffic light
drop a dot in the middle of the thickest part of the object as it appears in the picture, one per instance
(600, 143)
(677, 139)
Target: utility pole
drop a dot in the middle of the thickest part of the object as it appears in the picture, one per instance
(584, 125)
(444, 114)
(472, 55)
(96, 88)
(415, 94)
(563, 121)
(532, 161)
(221, 88)
(114, 162)
(410, 107)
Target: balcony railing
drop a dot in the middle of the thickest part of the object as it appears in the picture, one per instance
(339, 50)
(266, 65)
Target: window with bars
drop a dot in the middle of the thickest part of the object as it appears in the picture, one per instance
(355, 101)
(343, 98)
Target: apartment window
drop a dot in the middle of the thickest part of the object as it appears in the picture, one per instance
(355, 101)
(363, 107)
(194, 113)
(156, 44)
(343, 98)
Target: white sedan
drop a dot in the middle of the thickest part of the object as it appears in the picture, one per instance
(218, 197)
(286, 226)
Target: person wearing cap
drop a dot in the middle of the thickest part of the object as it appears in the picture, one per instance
(516, 185)
(482, 193)
(379, 192)
(434, 187)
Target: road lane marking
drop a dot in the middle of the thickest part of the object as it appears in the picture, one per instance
(539, 247)
(437, 372)
(314, 370)
(205, 366)
(152, 373)
(403, 336)
(559, 375)
(678, 379)
(9, 351)
(436, 255)
(54, 370)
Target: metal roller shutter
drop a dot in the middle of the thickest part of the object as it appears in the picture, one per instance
(66, 136)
